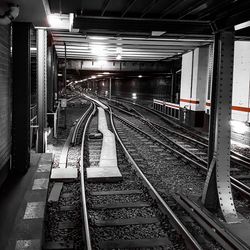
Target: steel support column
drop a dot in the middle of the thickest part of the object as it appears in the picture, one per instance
(21, 98)
(50, 79)
(217, 191)
(110, 87)
(65, 67)
(42, 87)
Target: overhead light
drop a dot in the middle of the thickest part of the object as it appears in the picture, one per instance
(59, 74)
(99, 75)
(103, 84)
(97, 38)
(33, 49)
(55, 21)
(98, 50)
(106, 73)
(242, 25)
(134, 96)
(119, 50)
(67, 81)
(157, 33)
(119, 57)
(140, 76)
(93, 77)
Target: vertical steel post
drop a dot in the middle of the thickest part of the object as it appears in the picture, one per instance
(110, 87)
(217, 191)
(21, 97)
(50, 76)
(42, 87)
(65, 66)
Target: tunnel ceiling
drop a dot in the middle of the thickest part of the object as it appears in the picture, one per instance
(144, 30)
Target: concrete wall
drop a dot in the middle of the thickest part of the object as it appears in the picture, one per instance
(145, 88)
(194, 72)
(186, 78)
(5, 101)
(241, 82)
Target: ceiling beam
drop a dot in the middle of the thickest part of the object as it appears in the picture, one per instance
(228, 22)
(148, 8)
(130, 4)
(88, 23)
(196, 7)
(105, 6)
(170, 7)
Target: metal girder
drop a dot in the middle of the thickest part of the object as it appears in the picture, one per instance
(42, 87)
(105, 6)
(239, 15)
(217, 190)
(130, 4)
(148, 8)
(196, 7)
(173, 5)
(88, 23)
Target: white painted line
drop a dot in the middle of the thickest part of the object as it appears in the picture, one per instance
(28, 244)
(44, 168)
(40, 184)
(34, 210)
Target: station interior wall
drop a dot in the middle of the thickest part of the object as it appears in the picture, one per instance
(145, 87)
(241, 82)
(5, 101)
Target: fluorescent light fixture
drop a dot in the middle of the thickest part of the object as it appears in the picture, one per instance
(97, 38)
(54, 20)
(106, 73)
(99, 75)
(134, 96)
(242, 25)
(33, 49)
(59, 74)
(140, 76)
(119, 50)
(119, 57)
(93, 77)
(98, 50)
(157, 33)
(67, 81)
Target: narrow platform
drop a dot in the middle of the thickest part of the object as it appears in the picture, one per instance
(107, 170)
(23, 211)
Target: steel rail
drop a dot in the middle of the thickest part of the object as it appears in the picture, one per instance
(235, 157)
(239, 186)
(78, 125)
(83, 193)
(189, 239)
(223, 237)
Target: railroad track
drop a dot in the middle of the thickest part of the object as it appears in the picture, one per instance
(160, 181)
(194, 150)
(64, 223)
(108, 222)
(124, 215)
